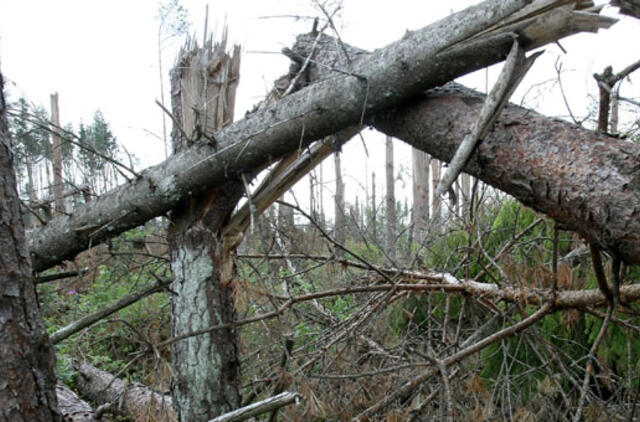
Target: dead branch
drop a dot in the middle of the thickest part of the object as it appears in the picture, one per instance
(515, 68)
(415, 382)
(263, 406)
(91, 319)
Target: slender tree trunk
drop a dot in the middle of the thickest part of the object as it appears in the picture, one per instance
(374, 210)
(286, 221)
(421, 182)
(206, 382)
(436, 166)
(27, 359)
(340, 235)
(465, 193)
(312, 195)
(161, 75)
(321, 196)
(32, 194)
(58, 183)
(613, 121)
(46, 163)
(390, 236)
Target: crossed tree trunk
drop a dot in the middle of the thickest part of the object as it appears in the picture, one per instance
(588, 182)
(207, 370)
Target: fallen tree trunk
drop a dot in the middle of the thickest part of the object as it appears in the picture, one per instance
(588, 182)
(142, 403)
(386, 78)
(123, 398)
(72, 407)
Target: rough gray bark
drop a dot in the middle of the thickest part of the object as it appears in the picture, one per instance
(124, 398)
(421, 182)
(207, 369)
(586, 181)
(388, 77)
(340, 226)
(27, 378)
(390, 200)
(72, 407)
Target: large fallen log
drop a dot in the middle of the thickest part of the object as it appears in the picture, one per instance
(588, 182)
(122, 397)
(72, 407)
(386, 78)
(140, 402)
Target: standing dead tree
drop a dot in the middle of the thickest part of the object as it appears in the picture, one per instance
(206, 384)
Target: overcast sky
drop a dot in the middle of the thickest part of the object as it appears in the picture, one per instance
(103, 55)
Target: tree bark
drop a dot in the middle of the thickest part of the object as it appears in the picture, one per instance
(587, 182)
(340, 226)
(436, 209)
(373, 219)
(266, 135)
(72, 407)
(27, 378)
(58, 184)
(421, 182)
(316, 111)
(207, 369)
(124, 398)
(390, 236)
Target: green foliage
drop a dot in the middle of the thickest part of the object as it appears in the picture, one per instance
(446, 251)
(109, 344)
(29, 134)
(96, 137)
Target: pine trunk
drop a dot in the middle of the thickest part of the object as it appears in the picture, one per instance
(390, 236)
(421, 182)
(58, 183)
(465, 194)
(339, 205)
(374, 211)
(207, 375)
(27, 359)
(436, 210)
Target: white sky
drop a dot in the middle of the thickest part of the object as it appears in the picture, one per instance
(103, 55)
